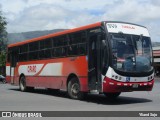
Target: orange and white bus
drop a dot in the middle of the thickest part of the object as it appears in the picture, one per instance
(106, 57)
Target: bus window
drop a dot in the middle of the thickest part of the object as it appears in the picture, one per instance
(55, 42)
(63, 41)
(73, 50)
(23, 56)
(78, 37)
(42, 44)
(34, 46)
(64, 51)
(41, 54)
(58, 52)
(14, 56)
(48, 53)
(53, 52)
(59, 41)
(8, 55)
(23, 48)
(83, 37)
(82, 48)
(33, 55)
(48, 43)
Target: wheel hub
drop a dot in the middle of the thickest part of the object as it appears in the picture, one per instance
(75, 88)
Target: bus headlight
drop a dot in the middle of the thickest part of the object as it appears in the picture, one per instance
(150, 78)
(117, 77)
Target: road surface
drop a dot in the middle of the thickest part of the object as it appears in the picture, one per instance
(11, 99)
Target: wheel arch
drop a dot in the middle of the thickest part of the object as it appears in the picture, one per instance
(74, 95)
(72, 75)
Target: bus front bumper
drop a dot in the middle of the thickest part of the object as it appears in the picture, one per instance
(110, 85)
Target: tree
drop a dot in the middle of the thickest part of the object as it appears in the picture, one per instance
(3, 23)
(3, 43)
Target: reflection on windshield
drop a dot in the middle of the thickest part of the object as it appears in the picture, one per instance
(131, 52)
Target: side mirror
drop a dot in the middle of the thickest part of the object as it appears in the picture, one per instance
(104, 44)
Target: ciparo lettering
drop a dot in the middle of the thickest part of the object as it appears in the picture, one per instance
(31, 68)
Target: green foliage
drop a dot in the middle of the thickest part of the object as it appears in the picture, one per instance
(2, 59)
(3, 23)
(3, 42)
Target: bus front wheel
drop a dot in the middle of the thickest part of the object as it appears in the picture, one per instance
(73, 89)
(112, 95)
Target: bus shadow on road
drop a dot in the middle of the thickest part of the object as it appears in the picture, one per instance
(121, 100)
(92, 98)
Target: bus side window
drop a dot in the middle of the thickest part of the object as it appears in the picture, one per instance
(34, 46)
(42, 44)
(48, 53)
(53, 52)
(77, 43)
(41, 54)
(83, 37)
(33, 56)
(8, 57)
(63, 40)
(69, 48)
(23, 48)
(48, 43)
(78, 37)
(57, 52)
(23, 56)
(14, 56)
(82, 48)
(73, 50)
(64, 51)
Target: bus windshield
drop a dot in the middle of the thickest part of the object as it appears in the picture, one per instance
(131, 53)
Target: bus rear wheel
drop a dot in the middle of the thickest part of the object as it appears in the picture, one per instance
(22, 85)
(112, 95)
(73, 89)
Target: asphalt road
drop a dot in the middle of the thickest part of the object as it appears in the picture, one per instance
(11, 99)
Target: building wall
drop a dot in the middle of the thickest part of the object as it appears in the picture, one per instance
(156, 57)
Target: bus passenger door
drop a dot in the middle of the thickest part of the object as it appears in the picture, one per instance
(94, 72)
(14, 59)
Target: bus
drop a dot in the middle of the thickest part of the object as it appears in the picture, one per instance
(107, 57)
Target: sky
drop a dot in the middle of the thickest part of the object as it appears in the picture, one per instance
(31, 15)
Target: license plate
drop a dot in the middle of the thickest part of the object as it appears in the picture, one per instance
(135, 86)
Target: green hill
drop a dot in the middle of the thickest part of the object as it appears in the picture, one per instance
(17, 37)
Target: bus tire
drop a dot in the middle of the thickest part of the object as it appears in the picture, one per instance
(22, 84)
(73, 89)
(112, 95)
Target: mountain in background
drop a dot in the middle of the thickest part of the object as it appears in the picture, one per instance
(17, 37)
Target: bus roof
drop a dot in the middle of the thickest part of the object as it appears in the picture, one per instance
(56, 34)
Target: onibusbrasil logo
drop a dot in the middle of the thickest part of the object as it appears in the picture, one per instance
(21, 114)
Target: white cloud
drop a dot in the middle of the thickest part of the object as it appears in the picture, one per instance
(49, 16)
(13, 6)
(156, 2)
(133, 11)
(27, 15)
